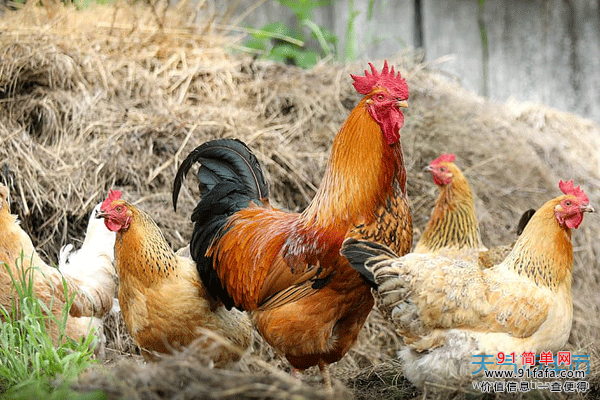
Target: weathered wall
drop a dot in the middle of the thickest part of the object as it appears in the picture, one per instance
(538, 50)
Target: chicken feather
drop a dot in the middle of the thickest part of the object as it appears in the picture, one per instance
(449, 310)
(285, 268)
(453, 229)
(164, 304)
(90, 296)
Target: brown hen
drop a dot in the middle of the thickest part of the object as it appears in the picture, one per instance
(164, 304)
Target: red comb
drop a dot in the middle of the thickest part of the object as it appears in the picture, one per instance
(394, 83)
(569, 187)
(444, 158)
(112, 196)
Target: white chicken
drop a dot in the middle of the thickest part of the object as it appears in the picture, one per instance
(92, 266)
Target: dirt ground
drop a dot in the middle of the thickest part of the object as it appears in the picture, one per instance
(116, 96)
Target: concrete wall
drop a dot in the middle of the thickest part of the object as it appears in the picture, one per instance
(538, 50)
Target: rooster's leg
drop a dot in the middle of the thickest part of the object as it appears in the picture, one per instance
(326, 375)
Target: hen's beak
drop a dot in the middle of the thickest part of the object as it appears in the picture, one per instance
(100, 214)
(586, 208)
(402, 104)
(428, 168)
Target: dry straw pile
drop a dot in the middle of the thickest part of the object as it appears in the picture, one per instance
(115, 97)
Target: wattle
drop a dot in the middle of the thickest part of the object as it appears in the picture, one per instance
(390, 120)
(111, 225)
(574, 221)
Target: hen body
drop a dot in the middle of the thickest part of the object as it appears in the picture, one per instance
(99, 243)
(164, 304)
(285, 268)
(91, 291)
(449, 310)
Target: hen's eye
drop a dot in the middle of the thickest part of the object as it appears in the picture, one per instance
(119, 208)
(443, 169)
(380, 97)
(568, 202)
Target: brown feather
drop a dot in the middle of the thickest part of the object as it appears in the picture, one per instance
(268, 259)
(392, 225)
(162, 299)
(453, 226)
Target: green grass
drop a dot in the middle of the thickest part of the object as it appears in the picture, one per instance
(30, 365)
(279, 42)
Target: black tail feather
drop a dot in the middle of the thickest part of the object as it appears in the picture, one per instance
(230, 178)
(525, 217)
(223, 159)
(362, 253)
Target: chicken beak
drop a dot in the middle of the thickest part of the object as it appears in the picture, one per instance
(586, 208)
(428, 168)
(100, 214)
(402, 104)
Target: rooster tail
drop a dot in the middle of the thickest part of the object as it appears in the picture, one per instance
(363, 254)
(222, 160)
(230, 178)
(525, 217)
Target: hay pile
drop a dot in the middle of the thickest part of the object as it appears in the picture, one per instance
(185, 376)
(115, 97)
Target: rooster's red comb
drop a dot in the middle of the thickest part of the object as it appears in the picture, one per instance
(569, 187)
(444, 158)
(394, 83)
(112, 196)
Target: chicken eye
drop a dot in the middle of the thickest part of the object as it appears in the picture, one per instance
(119, 209)
(443, 169)
(380, 97)
(568, 203)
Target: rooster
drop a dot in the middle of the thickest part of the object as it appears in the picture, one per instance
(449, 310)
(164, 304)
(91, 290)
(285, 268)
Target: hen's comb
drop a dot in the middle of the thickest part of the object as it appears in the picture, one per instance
(388, 79)
(569, 187)
(112, 196)
(444, 158)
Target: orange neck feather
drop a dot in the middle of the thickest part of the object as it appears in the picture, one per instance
(359, 177)
(142, 251)
(544, 251)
